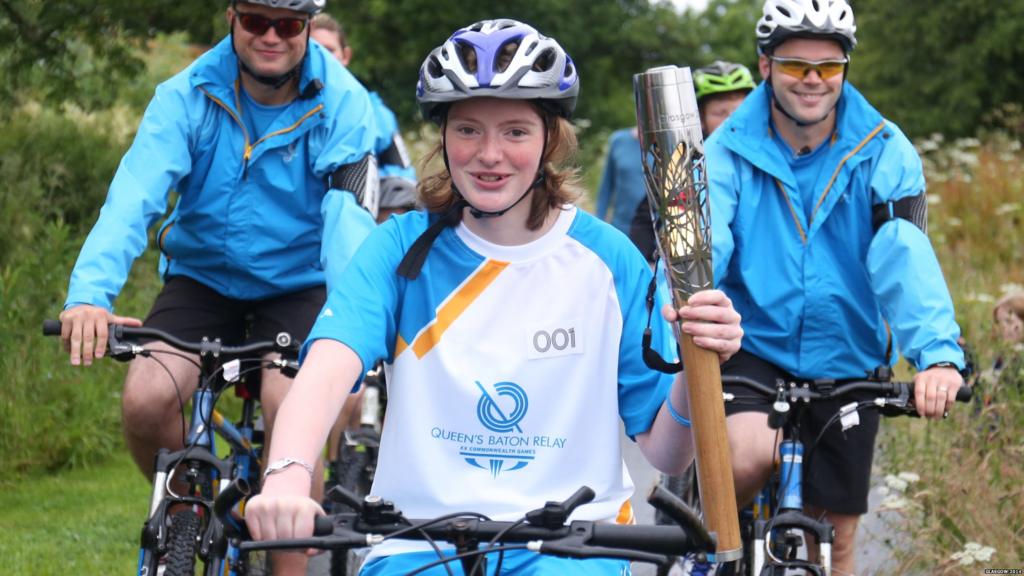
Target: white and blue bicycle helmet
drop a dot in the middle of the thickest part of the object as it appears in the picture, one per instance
(471, 63)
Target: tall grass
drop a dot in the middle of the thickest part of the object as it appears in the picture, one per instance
(964, 505)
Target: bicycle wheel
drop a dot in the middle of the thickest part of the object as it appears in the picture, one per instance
(354, 470)
(683, 487)
(184, 538)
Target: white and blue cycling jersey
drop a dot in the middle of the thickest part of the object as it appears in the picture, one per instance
(511, 366)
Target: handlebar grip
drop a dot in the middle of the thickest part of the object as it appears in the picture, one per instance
(51, 327)
(964, 393)
(322, 526)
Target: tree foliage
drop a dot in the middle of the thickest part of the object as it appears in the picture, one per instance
(931, 65)
(85, 50)
(608, 40)
(940, 65)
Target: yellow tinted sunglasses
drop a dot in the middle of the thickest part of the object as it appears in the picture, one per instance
(798, 68)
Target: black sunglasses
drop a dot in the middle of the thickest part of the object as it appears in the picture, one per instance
(258, 25)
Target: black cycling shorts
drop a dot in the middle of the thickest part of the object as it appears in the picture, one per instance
(837, 475)
(190, 310)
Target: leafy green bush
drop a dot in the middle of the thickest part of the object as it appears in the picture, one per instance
(55, 170)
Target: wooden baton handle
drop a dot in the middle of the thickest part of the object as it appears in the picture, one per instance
(714, 460)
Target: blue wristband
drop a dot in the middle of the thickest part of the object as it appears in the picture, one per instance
(683, 421)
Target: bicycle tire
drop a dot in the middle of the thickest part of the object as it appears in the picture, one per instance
(683, 487)
(184, 539)
(354, 470)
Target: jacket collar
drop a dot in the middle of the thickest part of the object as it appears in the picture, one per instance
(217, 71)
(748, 131)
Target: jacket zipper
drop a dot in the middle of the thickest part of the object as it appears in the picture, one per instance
(831, 181)
(247, 153)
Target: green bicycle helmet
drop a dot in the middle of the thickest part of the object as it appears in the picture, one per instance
(722, 77)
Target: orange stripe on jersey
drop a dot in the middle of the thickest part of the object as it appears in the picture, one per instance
(455, 306)
(400, 345)
(626, 515)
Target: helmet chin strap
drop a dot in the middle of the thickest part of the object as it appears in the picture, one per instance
(799, 122)
(275, 82)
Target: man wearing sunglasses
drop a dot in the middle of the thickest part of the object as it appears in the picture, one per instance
(267, 141)
(819, 230)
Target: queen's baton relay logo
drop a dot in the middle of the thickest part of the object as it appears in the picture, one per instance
(507, 447)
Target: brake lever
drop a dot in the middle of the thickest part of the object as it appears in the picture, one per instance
(683, 516)
(120, 350)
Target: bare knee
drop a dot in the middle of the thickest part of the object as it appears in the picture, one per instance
(753, 447)
(152, 397)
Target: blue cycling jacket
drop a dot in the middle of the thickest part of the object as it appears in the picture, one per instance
(254, 218)
(622, 182)
(816, 293)
(393, 158)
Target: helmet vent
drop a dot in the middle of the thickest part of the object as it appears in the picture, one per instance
(545, 60)
(434, 68)
(506, 54)
(467, 55)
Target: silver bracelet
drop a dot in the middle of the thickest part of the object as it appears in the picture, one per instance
(278, 465)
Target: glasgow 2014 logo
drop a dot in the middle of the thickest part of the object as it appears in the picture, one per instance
(501, 411)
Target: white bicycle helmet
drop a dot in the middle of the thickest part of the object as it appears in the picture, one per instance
(783, 19)
(471, 63)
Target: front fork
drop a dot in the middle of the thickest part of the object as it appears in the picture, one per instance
(789, 516)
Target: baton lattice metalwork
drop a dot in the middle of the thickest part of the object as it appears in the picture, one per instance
(677, 194)
(673, 150)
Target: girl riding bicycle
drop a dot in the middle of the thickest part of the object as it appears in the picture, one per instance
(513, 324)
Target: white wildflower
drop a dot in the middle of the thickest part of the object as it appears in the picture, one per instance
(973, 552)
(954, 221)
(895, 502)
(1010, 288)
(934, 199)
(979, 297)
(1007, 208)
(968, 143)
(896, 483)
(963, 157)
(909, 477)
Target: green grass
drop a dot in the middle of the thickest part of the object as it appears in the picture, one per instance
(84, 521)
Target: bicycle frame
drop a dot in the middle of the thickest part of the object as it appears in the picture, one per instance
(199, 458)
(778, 509)
(198, 465)
(770, 525)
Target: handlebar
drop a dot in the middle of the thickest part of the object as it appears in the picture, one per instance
(540, 530)
(122, 343)
(894, 397)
